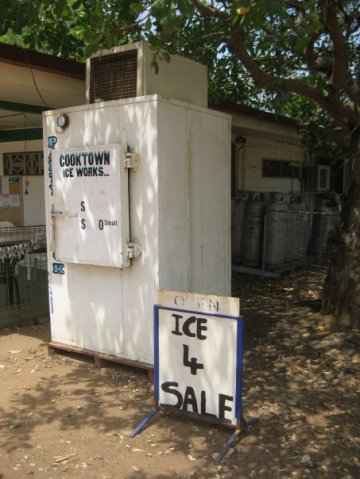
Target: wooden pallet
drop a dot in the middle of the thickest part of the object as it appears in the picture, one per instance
(101, 358)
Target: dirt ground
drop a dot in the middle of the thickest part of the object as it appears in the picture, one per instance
(60, 417)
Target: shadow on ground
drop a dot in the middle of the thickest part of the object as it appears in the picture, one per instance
(300, 380)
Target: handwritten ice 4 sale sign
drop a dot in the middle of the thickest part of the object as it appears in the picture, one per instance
(198, 355)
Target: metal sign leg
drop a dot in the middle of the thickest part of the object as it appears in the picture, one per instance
(244, 426)
(143, 423)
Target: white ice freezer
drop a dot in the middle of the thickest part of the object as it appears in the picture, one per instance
(137, 198)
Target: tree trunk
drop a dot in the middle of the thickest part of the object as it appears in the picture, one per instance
(341, 296)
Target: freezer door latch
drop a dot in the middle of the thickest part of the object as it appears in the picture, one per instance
(61, 214)
(131, 160)
(133, 249)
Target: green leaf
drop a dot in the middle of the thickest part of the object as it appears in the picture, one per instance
(13, 426)
(166, 56)
(158, 6)
(136, 8)
(154, 64)
(61, 8)
(186, 8)
(301, 43)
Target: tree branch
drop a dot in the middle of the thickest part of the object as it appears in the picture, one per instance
(338, 110)
(337, 70)
(340, 74)
(315, 63)
(209, 11)
(295, 4)
(353, 90)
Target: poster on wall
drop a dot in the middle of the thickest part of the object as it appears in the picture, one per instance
(10, 200)
(5, 185)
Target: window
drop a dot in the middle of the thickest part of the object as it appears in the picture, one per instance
(23, 164)
(279, 169)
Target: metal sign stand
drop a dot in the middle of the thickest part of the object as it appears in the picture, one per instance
(241, 425)
(235, 436)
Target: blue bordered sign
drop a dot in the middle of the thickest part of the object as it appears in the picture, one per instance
(198, 355)
(198, 360)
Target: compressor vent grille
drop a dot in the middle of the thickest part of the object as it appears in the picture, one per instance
(113, 77)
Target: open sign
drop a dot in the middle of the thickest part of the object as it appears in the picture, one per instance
(198, 355)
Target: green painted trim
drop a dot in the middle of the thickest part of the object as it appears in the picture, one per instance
(21, 134)
(23, 107)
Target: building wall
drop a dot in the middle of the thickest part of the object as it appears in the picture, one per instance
(31, 86)
(32, 203)
(249, 157)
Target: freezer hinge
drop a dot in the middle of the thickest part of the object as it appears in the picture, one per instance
(131, 160)
(133, 249)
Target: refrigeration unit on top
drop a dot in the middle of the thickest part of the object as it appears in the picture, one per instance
(128, 71)
(137, 199)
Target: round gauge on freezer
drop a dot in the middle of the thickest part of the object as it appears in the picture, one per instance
(62, 120)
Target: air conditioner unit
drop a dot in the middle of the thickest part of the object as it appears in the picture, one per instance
(127, 72)
(317, 178)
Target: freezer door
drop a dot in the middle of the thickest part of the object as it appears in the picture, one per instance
(90, 207)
